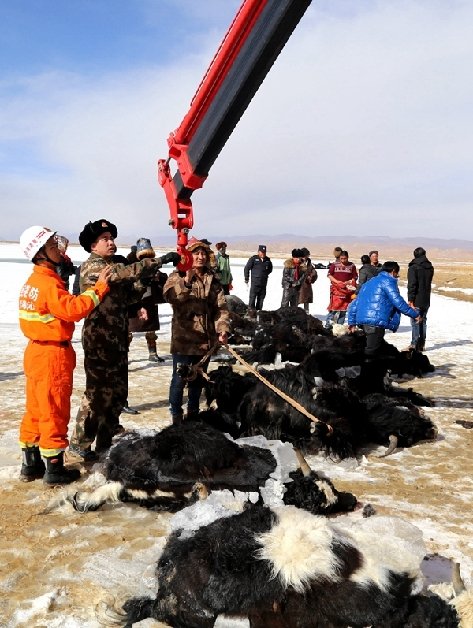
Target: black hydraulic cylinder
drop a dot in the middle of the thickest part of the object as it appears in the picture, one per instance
(271, 31)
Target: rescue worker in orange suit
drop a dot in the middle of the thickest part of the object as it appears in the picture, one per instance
(47, 313)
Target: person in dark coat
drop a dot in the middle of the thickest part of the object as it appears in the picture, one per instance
(306, 293)
(292, 278)
(374, 259)
(76, 284)
(65, 269)
(367, 271)
(260, 267)
(131, 258)
(378, 307)
(148, 321)
(419, 284)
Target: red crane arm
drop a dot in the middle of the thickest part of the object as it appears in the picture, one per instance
(254, 40)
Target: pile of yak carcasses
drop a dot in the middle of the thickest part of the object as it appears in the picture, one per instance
(351, 395)
(230, 554)
(267, 557)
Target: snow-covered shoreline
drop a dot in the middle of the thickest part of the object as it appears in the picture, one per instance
(62, 564)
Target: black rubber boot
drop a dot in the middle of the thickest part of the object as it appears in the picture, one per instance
(177, 419)
(57, 473)
(154, 357)
(127, 410)
(33, 467)
(86, 455)
(153, 350)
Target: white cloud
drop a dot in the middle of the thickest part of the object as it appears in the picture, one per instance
(363, 126)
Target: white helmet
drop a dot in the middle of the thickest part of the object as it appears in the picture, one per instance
(33, 238)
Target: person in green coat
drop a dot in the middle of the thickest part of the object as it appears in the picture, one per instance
(223, 271)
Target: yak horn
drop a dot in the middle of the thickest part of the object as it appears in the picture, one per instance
(392, 446)
(303, 465)
(458, 584)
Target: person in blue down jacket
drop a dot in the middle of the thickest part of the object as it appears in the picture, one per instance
(378, 307)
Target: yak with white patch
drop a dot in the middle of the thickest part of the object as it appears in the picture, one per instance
(284, 567)
(168, 470)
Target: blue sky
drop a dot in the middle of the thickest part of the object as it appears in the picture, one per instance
(99, 36)
(363, 125)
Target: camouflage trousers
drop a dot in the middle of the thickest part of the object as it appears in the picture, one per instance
(151, 338)
(105, 396)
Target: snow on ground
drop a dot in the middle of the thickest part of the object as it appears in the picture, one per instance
(58, 569)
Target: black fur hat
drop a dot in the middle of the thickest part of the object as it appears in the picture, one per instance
(94, 230)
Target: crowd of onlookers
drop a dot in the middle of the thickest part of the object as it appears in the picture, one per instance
(382, 298)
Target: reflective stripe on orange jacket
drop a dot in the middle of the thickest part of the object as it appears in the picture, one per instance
(48, 311)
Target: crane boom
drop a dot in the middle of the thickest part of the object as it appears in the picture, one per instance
(254, 40)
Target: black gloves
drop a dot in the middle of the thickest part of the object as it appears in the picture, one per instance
(172, 257)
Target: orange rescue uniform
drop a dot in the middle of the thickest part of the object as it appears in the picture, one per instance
(47, 314)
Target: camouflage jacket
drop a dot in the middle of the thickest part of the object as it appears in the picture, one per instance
(200, 313)
(105, 331)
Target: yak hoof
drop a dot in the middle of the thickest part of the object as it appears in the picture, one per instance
(368, 511)
(107, 613)
(81, 506)
(200, 490)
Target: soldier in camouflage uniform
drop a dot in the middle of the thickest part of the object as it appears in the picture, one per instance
(200, 319)
(105, 337)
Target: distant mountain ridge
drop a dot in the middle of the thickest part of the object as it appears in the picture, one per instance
(252, 241)
(321, 247)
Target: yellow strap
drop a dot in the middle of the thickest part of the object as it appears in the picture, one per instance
(276, 390)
